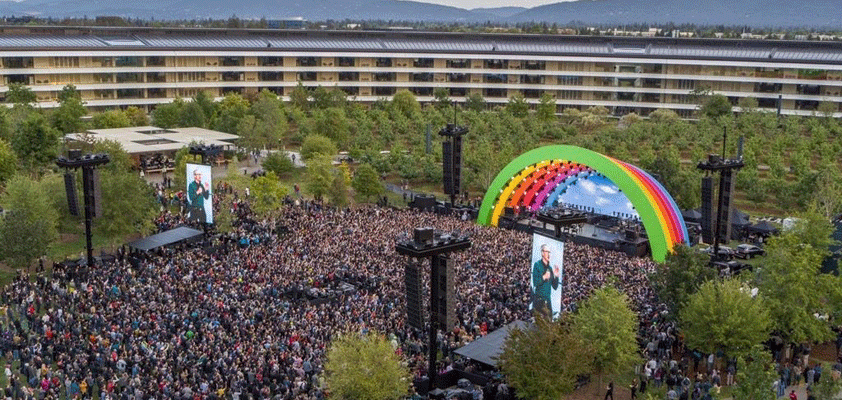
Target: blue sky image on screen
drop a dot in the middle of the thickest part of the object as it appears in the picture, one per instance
(598, 192)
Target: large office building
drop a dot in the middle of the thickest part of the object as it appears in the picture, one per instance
(118, 67)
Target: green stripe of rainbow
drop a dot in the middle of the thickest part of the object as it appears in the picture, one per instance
(658, 212)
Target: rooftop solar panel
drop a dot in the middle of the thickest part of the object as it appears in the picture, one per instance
(49, 41)
(325, 43)
(204, 41)
(550, 47)
(437, 45)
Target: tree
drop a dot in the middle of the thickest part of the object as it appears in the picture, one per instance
(405, 103)
(205, 101)
(518, 106)
(30, 223)
(827, 388)
(827, 108)
(663, 115)
(317, 144)
(271, 121)
(319, 176)
(35, 142)
(339, 189)
(167, 115)
(279, 163)
(19, 93)
(333, 124)
(8, 161)
(543, 362)
(724, 316)
(791, 282)
(128, 205)
(441, 97)
(475, 102)
(546, 108)
(300, 97)
(136, 116)
(67, 117)
(716, 106)
(755, 376)
(365, 367)
(268, 194)
(366, 182)
(192, 115)
(606, 322)
(110, 119)
(684, 271)
(230, 111)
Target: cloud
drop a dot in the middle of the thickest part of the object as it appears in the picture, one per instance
(588, 186)
(602, 201)
(608, 189)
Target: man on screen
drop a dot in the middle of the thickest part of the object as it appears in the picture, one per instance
(544, 281)
(197, 193)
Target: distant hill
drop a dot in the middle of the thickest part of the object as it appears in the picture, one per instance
(499, 12)
(753, 13)
(757, 13)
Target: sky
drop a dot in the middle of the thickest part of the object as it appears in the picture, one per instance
(471, 4)
(600, 193)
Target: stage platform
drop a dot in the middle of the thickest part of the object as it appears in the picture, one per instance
(633, 244)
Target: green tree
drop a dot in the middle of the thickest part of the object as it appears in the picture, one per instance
(828, 388)
(192, 115)
(167, 115)
(128, 205)
(317, 144)
(271, 120)
(684, 271)
(333, 123)
(205, 101)
(365, 368)
(724, 316)
(367, 182)
(231, 110)
(405, 103)
(30, 223)
(19, 93)
(546, 108)
(755, 376)
(136, 116)
(518, 106)
(475, 102)
(110, 119)
(338, 194)
(791, 282)
(716, 106)
(300, 97)
(441, 97)
(544, 362)
(663, 115)
(319, 176)
(268, 194)
(35, 142)
(8, 161)
(67, 117)
(279, 163)
(609, 325)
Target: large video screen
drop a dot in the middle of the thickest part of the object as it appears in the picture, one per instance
(546, 277)
(199, 199)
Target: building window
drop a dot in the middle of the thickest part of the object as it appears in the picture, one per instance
(569, 94)
(762, 87)
(129, 93)
(345, 61)
(17, 62)
(531, 79)
(350, 90)
(422, 63)
(421, 91)
(306, 62)
(383, 62)
(270, 61)
(534, 65)
(383, 91)
(384, 76)
(270, 76)
(531, 93)
(128, 62)
(495, 64)
(156, 61)
(307, 76)
(349, 76)
(494, 92)
(495, 78)
(688, 84)
(570, 80)
(457, 77)
(156, 77)
(421, 77)
(458, 91)
(129, 77)
(231, 61)
(459, 63)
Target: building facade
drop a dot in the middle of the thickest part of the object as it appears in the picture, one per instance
(118, 67)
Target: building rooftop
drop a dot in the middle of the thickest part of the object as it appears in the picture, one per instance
(150, 139)
(134, 38)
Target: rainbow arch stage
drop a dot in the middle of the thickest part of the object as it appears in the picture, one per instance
(537, 178)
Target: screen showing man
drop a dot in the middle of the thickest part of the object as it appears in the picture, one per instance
(199, 193)
(546, 278)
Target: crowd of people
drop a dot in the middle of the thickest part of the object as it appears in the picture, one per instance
(248, 320)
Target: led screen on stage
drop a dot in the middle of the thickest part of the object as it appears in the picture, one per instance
(547, 273)
(199, 200)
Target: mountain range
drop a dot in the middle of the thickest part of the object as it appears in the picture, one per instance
(750, 13)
